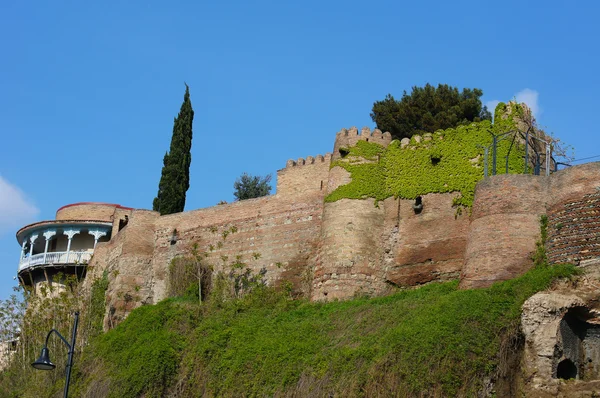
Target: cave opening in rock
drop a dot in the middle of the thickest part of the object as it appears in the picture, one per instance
(577, 354)
(566, 370)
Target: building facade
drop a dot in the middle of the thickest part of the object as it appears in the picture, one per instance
(65, 245)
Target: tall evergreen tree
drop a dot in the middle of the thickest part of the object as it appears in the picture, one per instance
(175, 177)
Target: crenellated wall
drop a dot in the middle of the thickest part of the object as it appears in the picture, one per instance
(336, 250)
(282, 229)
(346, 138)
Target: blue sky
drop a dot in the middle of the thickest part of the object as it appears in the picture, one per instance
(89, 90)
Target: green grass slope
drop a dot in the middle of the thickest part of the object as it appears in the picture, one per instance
(432, 341)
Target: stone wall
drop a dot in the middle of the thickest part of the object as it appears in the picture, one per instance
(504, 228)
(574, 215)
(506, 222)
(127, 260)
(279, 233)
(351, 247)
(90, 211)
(350, 250)
(430, 244)
(574, 230)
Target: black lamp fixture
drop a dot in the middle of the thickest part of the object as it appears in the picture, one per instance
(44, 363)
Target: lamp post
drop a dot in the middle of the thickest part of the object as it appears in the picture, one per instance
(44, 363)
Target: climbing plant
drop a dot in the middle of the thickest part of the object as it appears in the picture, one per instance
(446, 161)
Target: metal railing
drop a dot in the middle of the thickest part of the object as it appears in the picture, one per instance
(55, 258)
(539, 160)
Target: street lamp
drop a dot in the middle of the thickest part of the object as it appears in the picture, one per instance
(44, 363)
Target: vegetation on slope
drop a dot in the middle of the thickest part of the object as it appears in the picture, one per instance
(52, 307)
(435, 340)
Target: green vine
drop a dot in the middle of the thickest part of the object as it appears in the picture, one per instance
(451, 160)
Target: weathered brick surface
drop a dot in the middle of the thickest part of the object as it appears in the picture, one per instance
(430, 245)
(574, 182)
(89, 211)
(504, 228)
(574, 214)
(283, 229)
(337, 250)
(127, 259)
(350, 251)
(574, 230)
(303, 176)
(284, 233)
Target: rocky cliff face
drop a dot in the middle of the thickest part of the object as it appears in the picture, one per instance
(561, 327)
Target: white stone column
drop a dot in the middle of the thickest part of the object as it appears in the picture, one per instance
(48, 235)
(70, 234)
(23, 249)
(32, 239)
(97, 234)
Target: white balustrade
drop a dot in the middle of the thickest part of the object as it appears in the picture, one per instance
(55, 258)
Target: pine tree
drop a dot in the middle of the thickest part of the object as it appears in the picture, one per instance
(428, 109)
(175, 177)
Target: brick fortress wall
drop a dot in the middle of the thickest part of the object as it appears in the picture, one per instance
(283, 229)
(348, 260)
(574, 215)
(348, 247)
(506, 222)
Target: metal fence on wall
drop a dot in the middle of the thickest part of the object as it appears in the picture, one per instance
(538, 154)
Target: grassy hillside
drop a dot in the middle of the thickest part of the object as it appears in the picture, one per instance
(431, 341)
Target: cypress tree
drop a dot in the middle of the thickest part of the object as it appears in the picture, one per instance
(175, 177)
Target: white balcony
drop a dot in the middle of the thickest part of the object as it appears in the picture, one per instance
(55, 258)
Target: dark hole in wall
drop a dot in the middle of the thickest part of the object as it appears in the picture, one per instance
(435, 160)
(123, 222)
(566, 370)
(418, 206)
(344, 152)
(578, 353)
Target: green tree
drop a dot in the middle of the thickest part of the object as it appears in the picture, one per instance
(248, 187)
(428, 109)
(175, 177)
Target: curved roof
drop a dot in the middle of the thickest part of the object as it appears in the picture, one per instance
(118, 206)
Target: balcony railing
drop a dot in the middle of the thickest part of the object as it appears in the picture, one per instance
(55, 258)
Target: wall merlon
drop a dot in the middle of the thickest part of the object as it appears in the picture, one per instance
(346, 138)
(310, 160)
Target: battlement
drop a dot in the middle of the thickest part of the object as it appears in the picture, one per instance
(346, 138)
(319, 159)
(365, 134)
(304, 177)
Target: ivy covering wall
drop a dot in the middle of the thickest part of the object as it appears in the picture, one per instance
(449, 160)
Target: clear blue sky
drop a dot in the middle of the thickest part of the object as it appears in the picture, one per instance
(89, 90)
